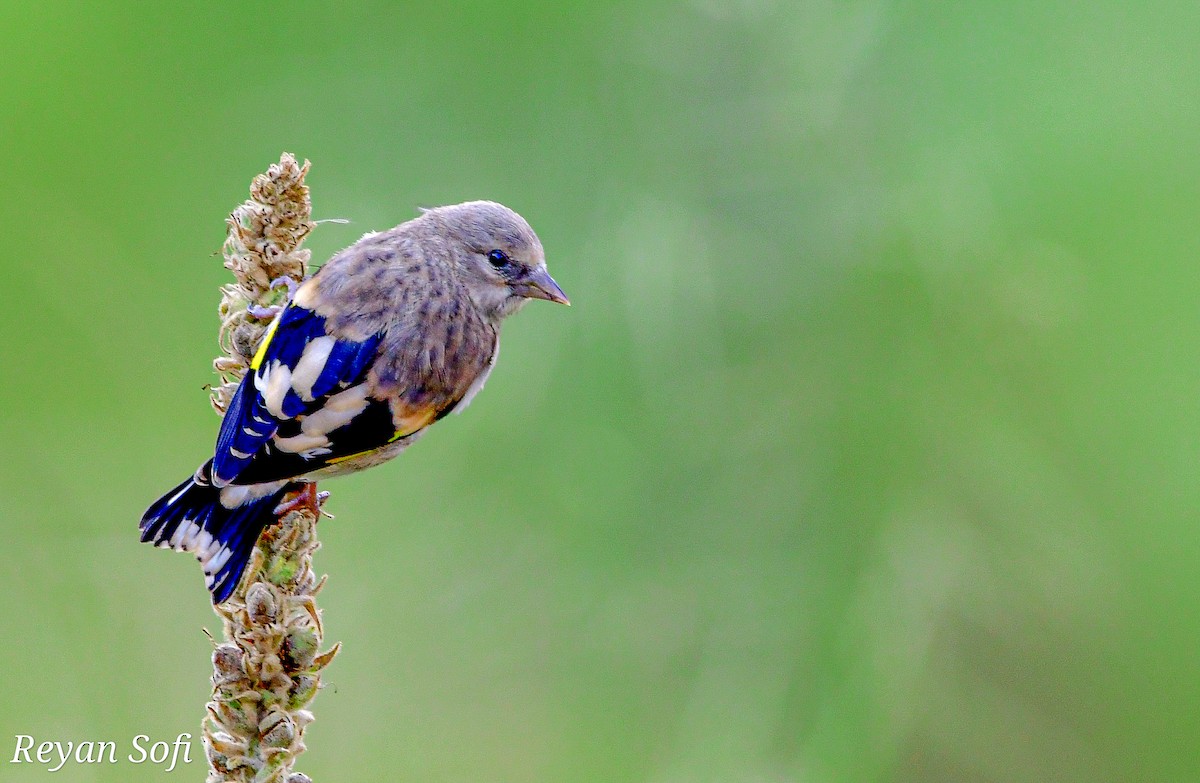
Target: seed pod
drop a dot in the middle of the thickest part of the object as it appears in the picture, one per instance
(300, 647)
(229, 665)
(260, 603)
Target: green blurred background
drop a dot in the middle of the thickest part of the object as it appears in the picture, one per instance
(867, 453)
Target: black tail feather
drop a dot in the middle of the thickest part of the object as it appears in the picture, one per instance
(191, 518)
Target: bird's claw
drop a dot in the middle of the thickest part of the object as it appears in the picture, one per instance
(267, 312)
(290, 282)
(321, 498)
(305, 499)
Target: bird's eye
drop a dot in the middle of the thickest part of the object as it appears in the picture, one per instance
(498, 259)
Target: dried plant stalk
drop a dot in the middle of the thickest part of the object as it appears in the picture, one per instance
(268, 669)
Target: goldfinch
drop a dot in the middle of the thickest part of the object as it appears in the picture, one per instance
(390, 335)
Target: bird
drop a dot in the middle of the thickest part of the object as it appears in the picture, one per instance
(387, 337)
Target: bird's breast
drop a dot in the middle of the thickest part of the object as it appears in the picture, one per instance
(431, 361)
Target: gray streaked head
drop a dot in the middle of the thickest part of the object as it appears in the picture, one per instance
(499, 258)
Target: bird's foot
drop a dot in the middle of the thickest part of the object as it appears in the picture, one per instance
(321, 498)
(268, 312)
(264, 313)
(304, 499)
(291, 284)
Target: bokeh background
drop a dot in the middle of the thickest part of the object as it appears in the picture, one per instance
(868, 452)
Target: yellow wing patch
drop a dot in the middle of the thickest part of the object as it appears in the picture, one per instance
(256, 362)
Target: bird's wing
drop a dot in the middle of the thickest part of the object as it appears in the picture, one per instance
(315, 397)
(303, 383)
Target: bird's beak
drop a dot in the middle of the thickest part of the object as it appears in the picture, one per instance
(540, 285)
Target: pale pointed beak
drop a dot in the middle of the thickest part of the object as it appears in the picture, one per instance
(540, 285)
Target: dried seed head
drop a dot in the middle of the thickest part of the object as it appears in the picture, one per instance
(266, 674)
(278, 730)
(218, 762)
(304, 688)
(260, 603)
(223, 744)
(229, 664)
(300, 647)
(271, 669)
(233, 716)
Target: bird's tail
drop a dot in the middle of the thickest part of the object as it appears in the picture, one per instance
(192, 518)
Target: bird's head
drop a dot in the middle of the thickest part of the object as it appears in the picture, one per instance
(497, 256)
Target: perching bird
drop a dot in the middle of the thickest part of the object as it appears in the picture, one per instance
(393, 333)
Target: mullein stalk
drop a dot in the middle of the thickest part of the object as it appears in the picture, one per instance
(268, 669)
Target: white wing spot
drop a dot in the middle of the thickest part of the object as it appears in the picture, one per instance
(278, 384)
(309, 368)
(206, 554)
(263, 376)
(220, 560)
(299, 443)
(182, 530)
(353, 398)
(338, 410)
(186, 543)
